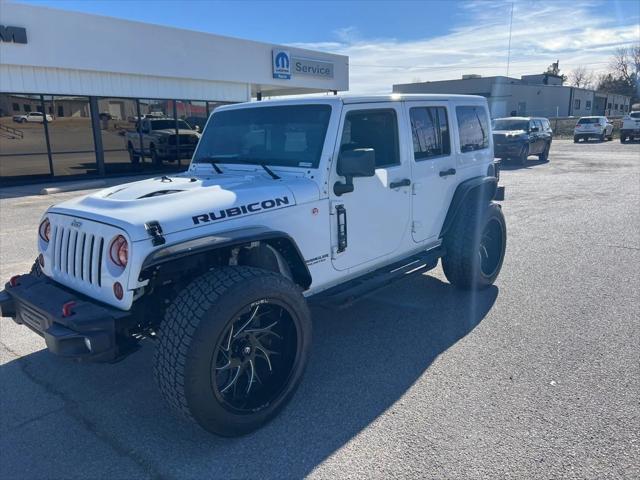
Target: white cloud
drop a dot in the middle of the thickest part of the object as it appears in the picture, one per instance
(572, 32)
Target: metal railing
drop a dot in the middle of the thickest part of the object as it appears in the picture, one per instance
(10, 131)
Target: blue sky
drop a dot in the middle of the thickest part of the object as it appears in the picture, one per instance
(402, 41)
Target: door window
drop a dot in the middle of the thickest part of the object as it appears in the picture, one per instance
(473, 128)
(377, 129)
(430, 131)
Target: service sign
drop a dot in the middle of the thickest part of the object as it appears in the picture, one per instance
(312, 68)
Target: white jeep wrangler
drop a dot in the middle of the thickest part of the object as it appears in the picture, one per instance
(283, 201)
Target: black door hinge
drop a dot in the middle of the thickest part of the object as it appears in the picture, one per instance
(341, 214)
(154, 229)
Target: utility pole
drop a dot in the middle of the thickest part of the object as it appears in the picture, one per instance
(509, 48)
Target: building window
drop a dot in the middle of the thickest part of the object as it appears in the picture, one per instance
(609, 105)
(473, 128)
(71, 136)
(616, 107)
(27, 107)
(23, 151)
(430, 132)
(588, 105)
(16, 107)
(377, 129)
(576, 104)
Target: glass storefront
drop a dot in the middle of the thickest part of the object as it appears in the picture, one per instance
(54, 136)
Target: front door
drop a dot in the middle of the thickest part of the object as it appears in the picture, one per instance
(433, 165)
(374, 219)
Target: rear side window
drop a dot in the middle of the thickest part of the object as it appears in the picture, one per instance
(430, 130)
(377, 129)
(473, 128)
(634, 114)
(539, 124)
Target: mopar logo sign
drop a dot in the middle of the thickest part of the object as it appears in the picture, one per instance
(281, 64)
(13, 34)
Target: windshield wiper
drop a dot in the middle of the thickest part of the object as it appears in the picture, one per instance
(213, 161)
(238, 159)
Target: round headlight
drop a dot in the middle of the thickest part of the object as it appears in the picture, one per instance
(45, 230)
(119, 251)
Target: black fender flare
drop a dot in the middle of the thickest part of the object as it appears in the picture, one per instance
(280, 241)
(476, 189)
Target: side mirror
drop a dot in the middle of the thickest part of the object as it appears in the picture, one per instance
(534, 129)
(360, 162)
(197, 128)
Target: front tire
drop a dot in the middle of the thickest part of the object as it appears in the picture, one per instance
(134, 158)
(232, 348)
(524, 155)
(475, 248)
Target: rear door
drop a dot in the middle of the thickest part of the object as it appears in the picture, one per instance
(433, 165)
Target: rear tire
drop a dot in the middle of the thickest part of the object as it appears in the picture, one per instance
(475, 247)
(575, 139)
(211, 361)
(544, 156)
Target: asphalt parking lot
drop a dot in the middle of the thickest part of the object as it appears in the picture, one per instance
(536, 377)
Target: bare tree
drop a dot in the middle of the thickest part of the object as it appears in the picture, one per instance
(626, 63)
(581, 77)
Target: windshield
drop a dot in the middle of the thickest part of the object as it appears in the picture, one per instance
(290, 136)
(169, 125)
(506, 124)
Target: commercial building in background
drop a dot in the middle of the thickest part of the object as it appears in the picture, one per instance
(531, 95)
(95, 76)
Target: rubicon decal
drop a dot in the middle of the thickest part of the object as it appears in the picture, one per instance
(240, 210)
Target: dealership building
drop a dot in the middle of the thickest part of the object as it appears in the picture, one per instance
(92, 77)
(541, 95)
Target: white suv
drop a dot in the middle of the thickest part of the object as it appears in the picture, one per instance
(284, 201)
(593, 127)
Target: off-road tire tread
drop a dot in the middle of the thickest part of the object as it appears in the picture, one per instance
(180, 323)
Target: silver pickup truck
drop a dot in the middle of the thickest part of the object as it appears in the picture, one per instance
(162, 139)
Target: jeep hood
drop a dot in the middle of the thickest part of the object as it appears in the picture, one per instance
(184, 202)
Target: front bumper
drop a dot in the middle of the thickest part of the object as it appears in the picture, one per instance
(87, 334)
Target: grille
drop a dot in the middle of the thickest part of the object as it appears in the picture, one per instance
(77, 254)
(185, 139)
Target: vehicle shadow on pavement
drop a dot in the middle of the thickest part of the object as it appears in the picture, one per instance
(513, 165)
(61, 419)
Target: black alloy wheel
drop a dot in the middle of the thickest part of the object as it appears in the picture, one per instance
(491, 249)
(254, 357)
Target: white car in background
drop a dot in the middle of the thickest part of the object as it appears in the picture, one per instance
(593, 127)
(36, 117)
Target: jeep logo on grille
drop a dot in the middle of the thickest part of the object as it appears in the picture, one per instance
(76, 223)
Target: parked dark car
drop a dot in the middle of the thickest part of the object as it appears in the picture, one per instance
(519, 137)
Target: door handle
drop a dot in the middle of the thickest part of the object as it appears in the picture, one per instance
(451, 171)
(405, 182)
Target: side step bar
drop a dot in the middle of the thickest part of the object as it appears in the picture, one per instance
(344, 295)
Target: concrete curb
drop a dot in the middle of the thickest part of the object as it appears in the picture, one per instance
(73, 187)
